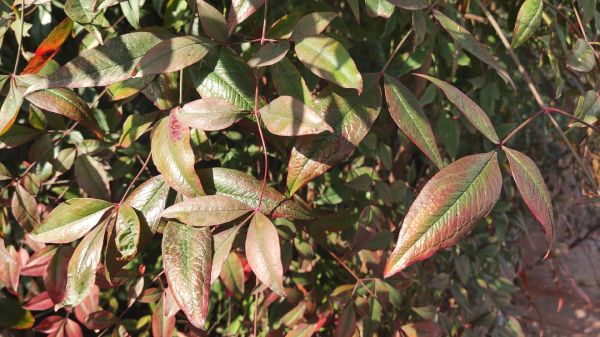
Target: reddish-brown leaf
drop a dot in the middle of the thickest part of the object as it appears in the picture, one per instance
(49, 47)
(55, 279)
(162, 325)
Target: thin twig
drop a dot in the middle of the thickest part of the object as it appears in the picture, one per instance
(393, 55)
(135, 178)
(521, 126)
(566, 114)
(21, 37)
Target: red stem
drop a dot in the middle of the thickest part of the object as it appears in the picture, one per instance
(257, 116)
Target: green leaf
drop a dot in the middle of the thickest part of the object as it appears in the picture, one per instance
(447, 209)
(328, 59)
(582, 57)
(106, 64)
(247, 189)
(410, 118)
(533, 189)
(269, 54)
(187, 258)
(350, 115)
(81, 272)
(209, 114)
(412, 5)
(240, 11)
(173, 156)
(134, 127)
(128, 233)
(222, 247)
(528, 21)
(207, 210)
(287, 116)
(289, 82)
(474, 114)
(172, 55)
(381, 8)
(312, 24)
(129, 87)
(131, 11)
(70, 220)
(82, 11)
(264, 254)
(10, 108)
(162, 92)
(92, 177)
(212, 21)
(467, 41)
(225, 76)
(346, 325)
(150, 199)
(24, 208)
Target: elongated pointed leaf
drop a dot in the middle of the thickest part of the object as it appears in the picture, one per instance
(410, 4)
(70, 220)
(381, 8)
(447, 209)
(528, 21)
(328, 59)
(92, 177)
(55, 277)
(134, 127)
(49, 47)
(241, 10)
(207, 210)
(407, 113)
(287, 116)
(109, 63)
(24, 208)
(173, 156)
(81, 272)
(162, 324)
(162, 92)
(187, 258)
(81, 11)
(289, 82)
(269, 54)
(131, 11)
(212, 21)
(351, 117)
(312, 24)
(222, 247)
(150, 198)
(209, 114)
(264, 254)
(128, 233)
(533, 189)
(247, 189)
(346, 325)
(172, 55)
(10, 108)
(466, 40)
(232, 274)
(474, 114)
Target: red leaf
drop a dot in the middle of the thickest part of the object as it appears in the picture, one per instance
(39, 302)
(50, 324)
(38, 263)
(49, 47)
(55, 278)
(162, 325)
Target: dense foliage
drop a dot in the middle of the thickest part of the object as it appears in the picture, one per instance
(255, 167)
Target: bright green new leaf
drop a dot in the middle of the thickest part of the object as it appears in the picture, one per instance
(528, 21)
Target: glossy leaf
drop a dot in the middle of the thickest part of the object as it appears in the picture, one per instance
(71, 220)
(528, 21)
(410, 4)
(81, 272)
(466, 40)
(128, 233)
(351, 117)
(209, 114)
(447, 209)
(312, 24)
(222, 247)
(49, 47)
(24, 208)
(241, 10)
(269, 54)
(92, 177)
(410, 118)
(129, 87)
(207, 210)
(131, 11)
(134, 127)
(10, 108)
(187, 258)
(328, 59)
(150, 198)
(247, 189)
(287, 116)
(173, 156)
(264, 254)
(533, 189)
(474, 114)
(109, 63)
(289, 82)
(212, 21)
(172, 55)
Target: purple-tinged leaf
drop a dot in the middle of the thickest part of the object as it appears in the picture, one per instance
(232, 274)
(92, 177)
(269, 54)
(55, 278)
(346, 324)
(222, 247)
(264, 253)
(207, 210)
(173, 156)
(187, 259)
(533, 189)
(474, 114)
(71, 220)
(240, 11)
(410, 118)
(212, 21)
(312, 24)
(287, 116)
(162, 325)
(172, 55)
(209, 114)
(447, 209)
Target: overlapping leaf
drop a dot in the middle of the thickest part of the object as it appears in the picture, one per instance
(410, 4)
(150, 198)
(49, 47)
(287, 116)
(289, 82)
(172, 55)
(209, 114)
(212, 21)
(207, 210)
(222, 247)
(312, 24)
(187, 258)
(241, 10)
(447, 209)
(10, 108)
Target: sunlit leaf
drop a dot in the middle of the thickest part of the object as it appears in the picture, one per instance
(49, 47)
(131, 11)
(287, 116)
(410, 118)
(528, 21)
(410, 4)
(150, 198)
(447, 209)
(162, 92)
(24, 208)
(70, 220)
(222, 247)
(162, 325)
(172, 55)
(264, 254)
(312, 24)
(240, 11)
(232, 274)
(209, 114)
(382, 8)
(328, 59)
(10, 108)
(173, 156)
(289, 82)
(207, 210)
(187, 258)
(134, 127)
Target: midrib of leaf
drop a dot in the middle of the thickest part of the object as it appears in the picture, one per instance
(528, 29)
(534, 181)
(264, 255)
(443, 213)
